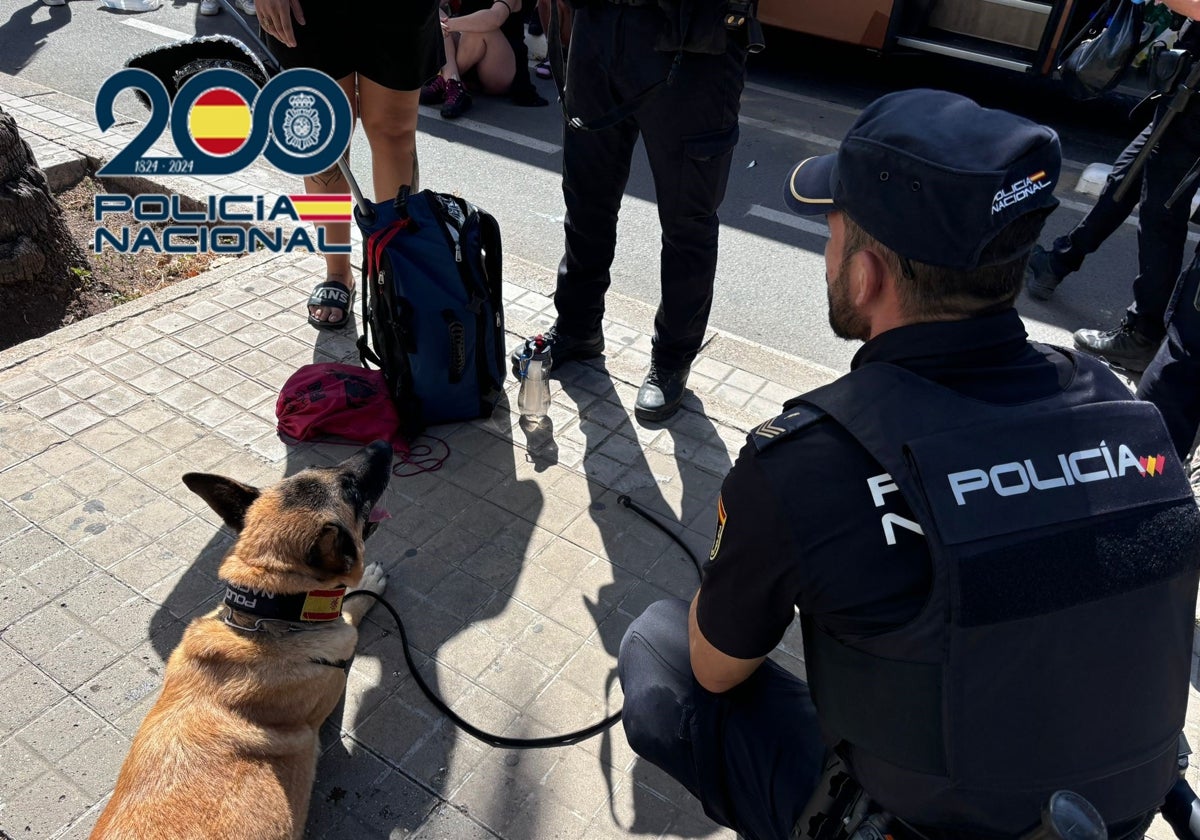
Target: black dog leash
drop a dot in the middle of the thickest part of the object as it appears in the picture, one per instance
(503, 740)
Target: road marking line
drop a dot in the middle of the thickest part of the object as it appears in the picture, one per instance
(807, 100)
(829, 106)
(789, 219)
(492, 131)
(818, 229)
(807, 136)
(166, 32)
(1132, 220)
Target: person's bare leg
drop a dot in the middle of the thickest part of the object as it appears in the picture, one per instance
(337, 266)
(564, 20)
(389, 118)
(492, 57)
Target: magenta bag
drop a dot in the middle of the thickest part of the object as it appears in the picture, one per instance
(336, 403)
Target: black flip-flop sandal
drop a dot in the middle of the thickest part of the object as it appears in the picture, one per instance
(332, 294)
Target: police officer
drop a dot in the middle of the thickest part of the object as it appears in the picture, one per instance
(1172, 381)
(1162, 230)
(953, 519)
(675, 73)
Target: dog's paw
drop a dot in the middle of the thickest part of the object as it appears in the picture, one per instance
(374, 578)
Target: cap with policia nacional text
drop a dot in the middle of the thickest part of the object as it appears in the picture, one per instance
(933, 176)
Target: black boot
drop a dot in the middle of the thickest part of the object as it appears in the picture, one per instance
(661, 392)
(1125, 346)
(563, 348)
(1041, 275)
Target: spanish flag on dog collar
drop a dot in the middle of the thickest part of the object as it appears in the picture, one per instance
(314, 606)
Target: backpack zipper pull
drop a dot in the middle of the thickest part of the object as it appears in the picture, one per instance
(457, 252)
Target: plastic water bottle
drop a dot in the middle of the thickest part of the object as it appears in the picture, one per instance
(133, 5)
(533, 400)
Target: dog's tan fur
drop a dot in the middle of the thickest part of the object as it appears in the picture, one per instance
(230, 748)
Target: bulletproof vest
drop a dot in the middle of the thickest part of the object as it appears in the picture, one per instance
(1054, 650)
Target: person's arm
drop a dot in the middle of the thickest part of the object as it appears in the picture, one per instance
(485, 20)
(751, 580)
(714, 670)
(1187, 8)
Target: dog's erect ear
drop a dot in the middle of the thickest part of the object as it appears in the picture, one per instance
(334, 552)
(227, 497)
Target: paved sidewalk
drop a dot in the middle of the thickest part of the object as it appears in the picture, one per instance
(514, 567)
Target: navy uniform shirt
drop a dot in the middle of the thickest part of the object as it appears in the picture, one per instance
(813, 521)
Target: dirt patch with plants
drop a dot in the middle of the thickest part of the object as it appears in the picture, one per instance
(109, 279)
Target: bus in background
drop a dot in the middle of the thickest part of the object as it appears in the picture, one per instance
(1025, 36)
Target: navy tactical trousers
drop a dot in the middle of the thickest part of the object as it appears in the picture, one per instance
(1162, 231)
(752, 756)
(689, 128)
(1106, 215)
(1172, 381)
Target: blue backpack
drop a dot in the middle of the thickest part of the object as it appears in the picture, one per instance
(433, 318)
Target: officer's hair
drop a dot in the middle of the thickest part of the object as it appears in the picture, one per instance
(936, 292)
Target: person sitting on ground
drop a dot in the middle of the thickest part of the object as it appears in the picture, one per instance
(488, 38)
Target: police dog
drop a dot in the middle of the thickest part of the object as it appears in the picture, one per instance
(230, 748)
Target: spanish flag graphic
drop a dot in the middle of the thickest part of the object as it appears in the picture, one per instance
(220, 121)
(322, 605)
(322, 208)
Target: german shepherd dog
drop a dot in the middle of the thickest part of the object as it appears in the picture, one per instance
(230, 748)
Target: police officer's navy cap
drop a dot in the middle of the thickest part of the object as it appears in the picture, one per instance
(933, 176)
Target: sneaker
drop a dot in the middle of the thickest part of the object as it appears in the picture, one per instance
(458, 101)
(563, 348)
(54, 2)
(661, 392)
(434, 93)
(247, 7)
(1123, 346)
(209, 7)
(1040, 277)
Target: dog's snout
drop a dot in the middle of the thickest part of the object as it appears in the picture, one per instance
(373, 469)
(380, 448)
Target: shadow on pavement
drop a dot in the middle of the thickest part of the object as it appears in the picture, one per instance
(23, 38)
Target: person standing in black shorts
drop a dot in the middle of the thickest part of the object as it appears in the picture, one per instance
(380, 52)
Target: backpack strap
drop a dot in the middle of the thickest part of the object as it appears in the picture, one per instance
(493, 257)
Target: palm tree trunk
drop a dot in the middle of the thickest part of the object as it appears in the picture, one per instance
(36, 248)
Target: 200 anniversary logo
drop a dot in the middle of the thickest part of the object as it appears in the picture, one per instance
(220, 123)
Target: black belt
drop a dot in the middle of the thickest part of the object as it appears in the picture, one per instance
(632, 2)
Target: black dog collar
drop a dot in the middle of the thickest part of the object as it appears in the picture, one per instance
(315, 606)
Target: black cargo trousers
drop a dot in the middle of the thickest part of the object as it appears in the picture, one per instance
(689, 129)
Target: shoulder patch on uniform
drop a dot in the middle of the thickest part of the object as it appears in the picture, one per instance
(798, 417)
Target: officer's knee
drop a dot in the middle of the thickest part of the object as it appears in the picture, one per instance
(658, 628)
(656, 675)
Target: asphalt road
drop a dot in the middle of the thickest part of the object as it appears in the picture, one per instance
(801, 97)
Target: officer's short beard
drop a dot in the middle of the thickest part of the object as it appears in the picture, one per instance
(845, 320)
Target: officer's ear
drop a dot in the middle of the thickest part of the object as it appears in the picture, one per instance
(870, 278)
